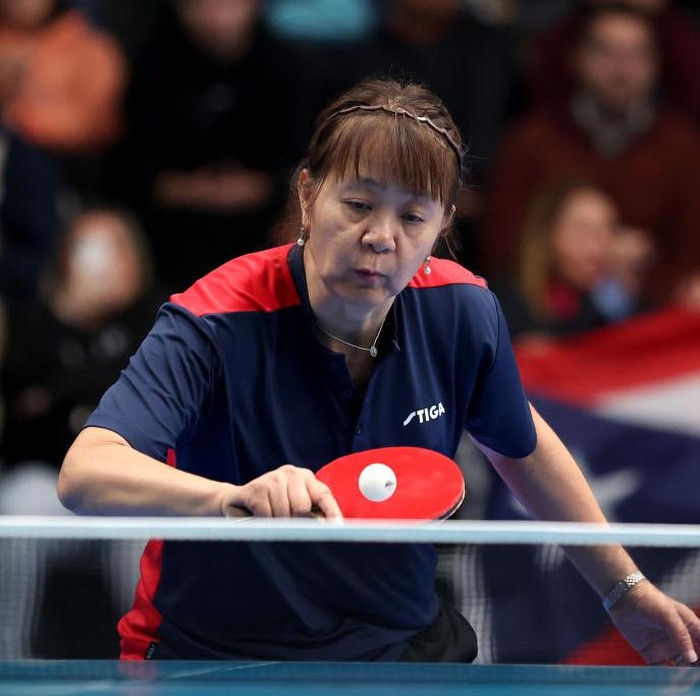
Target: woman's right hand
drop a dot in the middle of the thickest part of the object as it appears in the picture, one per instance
(289, 491)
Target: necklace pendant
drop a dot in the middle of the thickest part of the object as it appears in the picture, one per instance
(373, 351)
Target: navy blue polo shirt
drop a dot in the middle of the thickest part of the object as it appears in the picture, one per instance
(232, 382)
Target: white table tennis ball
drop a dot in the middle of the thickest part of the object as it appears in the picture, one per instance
(377, 482)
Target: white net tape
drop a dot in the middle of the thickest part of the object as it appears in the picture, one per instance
(260, 529)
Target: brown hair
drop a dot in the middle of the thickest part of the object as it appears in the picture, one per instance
(402, 130)
(535, 257)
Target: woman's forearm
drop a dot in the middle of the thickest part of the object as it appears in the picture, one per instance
(102, 474)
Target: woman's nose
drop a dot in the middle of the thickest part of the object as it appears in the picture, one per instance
(381, 232)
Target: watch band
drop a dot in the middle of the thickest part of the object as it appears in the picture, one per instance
(621, 589)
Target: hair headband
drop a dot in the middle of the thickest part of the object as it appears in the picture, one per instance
(400, 110)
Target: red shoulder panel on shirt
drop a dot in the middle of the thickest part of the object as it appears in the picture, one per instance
(259, 282)
(445, 272)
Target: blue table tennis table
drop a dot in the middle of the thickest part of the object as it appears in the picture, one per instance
(109, 678)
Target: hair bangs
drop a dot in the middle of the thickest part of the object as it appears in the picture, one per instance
(396, 149)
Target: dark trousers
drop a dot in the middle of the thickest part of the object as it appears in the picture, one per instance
(449, 639)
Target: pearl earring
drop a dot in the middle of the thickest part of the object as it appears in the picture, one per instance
(301, 239)
(426, 266)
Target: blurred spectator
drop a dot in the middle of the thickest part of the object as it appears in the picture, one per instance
(612, 131)
(679, 54)
(61, 80)
(211, 135)
(29, 183)
(65, 350)
(567, 258)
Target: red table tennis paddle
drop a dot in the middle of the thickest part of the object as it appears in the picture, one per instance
(392, 483)
(395, 483)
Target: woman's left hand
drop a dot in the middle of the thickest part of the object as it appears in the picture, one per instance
(663, 631)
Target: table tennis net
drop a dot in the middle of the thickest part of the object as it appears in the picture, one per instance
(64, 582)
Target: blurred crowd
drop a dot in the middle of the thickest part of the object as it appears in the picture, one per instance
(143, 144)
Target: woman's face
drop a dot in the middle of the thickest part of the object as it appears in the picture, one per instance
(581, 237)
(367, 238)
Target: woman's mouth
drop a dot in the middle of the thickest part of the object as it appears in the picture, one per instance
(369, 276)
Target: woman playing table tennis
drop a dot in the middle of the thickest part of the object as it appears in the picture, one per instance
(352, 338)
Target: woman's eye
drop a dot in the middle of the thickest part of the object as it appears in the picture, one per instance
(359, 206)
(413, 218)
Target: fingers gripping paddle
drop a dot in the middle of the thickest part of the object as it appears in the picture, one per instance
(390, 483)
(395, 483)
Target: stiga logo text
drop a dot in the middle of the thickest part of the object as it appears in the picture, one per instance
(426, 414)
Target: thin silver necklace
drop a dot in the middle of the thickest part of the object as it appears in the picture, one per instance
(372, 350)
